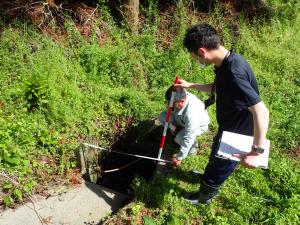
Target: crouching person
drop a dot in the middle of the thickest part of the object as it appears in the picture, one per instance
(188, 120)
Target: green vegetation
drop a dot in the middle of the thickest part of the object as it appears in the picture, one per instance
(56, 93)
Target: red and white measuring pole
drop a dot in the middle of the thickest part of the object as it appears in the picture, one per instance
(162, 142)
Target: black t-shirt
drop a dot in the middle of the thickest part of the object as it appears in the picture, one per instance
(236, 89)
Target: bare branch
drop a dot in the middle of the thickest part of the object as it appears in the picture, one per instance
(90, 16)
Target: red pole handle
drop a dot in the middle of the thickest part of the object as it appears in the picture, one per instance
(176, 82)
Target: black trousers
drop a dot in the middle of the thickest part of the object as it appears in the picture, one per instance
(217, 170)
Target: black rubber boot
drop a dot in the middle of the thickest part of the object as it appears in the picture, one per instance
(205, 194)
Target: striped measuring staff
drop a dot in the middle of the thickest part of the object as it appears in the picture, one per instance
(162, 142)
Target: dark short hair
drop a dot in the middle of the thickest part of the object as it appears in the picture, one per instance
(169, 93)
(201, 36)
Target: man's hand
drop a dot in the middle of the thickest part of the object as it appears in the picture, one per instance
(183, 83)
(248, 160)
(175, 162)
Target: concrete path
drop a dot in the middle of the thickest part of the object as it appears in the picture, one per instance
(86, 204)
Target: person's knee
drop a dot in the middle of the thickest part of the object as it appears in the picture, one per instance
(218, 170)
(162, 117)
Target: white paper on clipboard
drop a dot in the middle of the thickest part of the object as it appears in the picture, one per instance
(233, 143)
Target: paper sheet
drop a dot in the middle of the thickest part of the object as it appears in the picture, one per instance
(232, 143)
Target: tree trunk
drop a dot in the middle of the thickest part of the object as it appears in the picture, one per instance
(132, 15)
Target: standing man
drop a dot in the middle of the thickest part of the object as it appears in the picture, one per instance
(188, 120)
(238, 105)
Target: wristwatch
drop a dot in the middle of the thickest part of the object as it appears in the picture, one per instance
(258, 150)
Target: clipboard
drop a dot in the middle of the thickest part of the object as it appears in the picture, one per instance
(233, 143)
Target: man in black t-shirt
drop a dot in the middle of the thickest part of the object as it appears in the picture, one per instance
(239, 107)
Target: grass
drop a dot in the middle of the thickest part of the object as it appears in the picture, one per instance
(56, 93)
